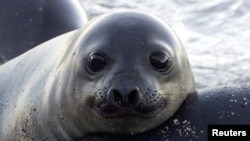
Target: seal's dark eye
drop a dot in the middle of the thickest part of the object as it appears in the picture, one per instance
(96, 62)
(159, 60)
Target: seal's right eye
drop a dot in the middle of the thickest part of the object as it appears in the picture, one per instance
(96, 62)
(159, 61)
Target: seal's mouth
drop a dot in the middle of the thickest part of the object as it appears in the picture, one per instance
(108, 110)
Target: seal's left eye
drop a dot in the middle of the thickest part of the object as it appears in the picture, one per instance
(160, 61)
(96, 62)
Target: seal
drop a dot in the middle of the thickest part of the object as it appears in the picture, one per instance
(221, 105)
(25, 24)
(126, 72)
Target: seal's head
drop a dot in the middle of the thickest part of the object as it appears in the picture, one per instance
(132, 73)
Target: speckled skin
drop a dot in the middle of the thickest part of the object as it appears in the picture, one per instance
(218, 105)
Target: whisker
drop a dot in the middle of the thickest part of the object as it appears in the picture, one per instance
(90, 92)
(162, 88)
(93, 87)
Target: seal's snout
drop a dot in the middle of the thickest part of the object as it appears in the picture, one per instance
(127, 96)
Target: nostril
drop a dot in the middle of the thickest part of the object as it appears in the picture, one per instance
(124, 98)
(133, 98)
(115, 97)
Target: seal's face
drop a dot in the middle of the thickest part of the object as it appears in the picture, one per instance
(136, 70)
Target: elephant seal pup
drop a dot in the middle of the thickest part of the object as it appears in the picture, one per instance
(126, 72)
